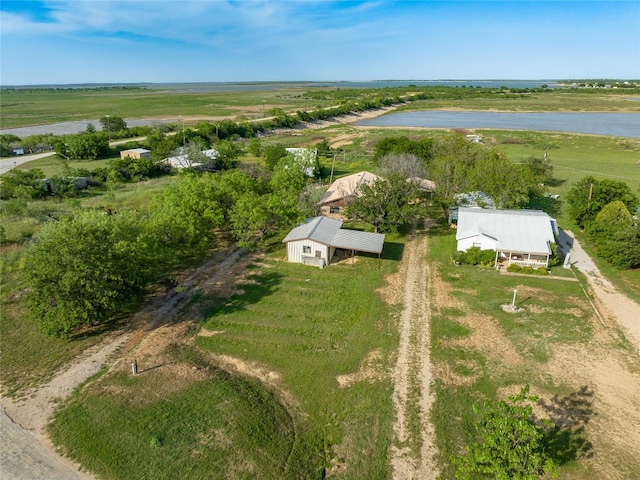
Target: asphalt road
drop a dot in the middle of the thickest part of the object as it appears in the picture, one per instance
(23, 457)
(9, 163)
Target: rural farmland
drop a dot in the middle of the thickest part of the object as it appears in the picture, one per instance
(221, 359)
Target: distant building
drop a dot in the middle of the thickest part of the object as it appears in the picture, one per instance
(183, 160)
(136, 153)
(343, 190)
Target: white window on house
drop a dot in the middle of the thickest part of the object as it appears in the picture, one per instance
(334, 209)
(318, 254)
(306, 249)
(477, 244)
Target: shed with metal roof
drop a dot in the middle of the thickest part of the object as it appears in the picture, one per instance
(314, 242)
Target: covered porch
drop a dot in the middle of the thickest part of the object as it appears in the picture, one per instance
(522, 259)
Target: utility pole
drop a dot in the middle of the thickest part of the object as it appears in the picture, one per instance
(184, 142)
(108, 127)
(333, 162)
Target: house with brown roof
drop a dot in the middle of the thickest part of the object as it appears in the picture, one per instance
(343, 190)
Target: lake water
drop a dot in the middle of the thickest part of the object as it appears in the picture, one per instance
(612, 124)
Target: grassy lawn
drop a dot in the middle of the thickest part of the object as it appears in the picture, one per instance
(221, 427)
(306, 325)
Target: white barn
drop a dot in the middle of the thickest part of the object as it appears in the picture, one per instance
(521, 237)
(314, 242)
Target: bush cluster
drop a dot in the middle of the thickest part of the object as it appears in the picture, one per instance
(528, 270)
(475, 256)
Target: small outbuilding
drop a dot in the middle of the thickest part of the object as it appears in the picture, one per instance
(314, 242)
(136, 153)
(307, 158)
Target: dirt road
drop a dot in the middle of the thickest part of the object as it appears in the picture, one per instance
(613, 306)
(413, 458)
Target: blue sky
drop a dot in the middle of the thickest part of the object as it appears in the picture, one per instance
(105, 41)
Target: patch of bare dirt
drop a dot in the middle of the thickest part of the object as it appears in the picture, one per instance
(372, 369)
(487, 338)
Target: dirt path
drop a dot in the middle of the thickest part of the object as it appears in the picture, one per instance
(613, 306)
(413, 458)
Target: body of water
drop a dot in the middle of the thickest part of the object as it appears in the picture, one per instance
(77, 126)
(612, 124)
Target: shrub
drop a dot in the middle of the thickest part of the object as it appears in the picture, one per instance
(514, 268)
(541, 271)
(527, 270)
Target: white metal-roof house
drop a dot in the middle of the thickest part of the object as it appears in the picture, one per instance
(521, 237)
(183, 161)
(315, 241)
(343, 190)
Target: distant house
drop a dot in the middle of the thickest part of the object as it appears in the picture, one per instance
(136, 153)
(476, 199)
(314, 242)
(183, 160)
(307, 158)
(343, 190)
(521, 237)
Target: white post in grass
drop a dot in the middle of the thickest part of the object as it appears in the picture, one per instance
(513, 302)
(134, 367)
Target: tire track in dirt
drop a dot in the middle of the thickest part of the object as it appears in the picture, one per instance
(412, 455)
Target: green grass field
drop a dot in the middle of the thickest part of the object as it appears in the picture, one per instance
(23, 108)
(37, 107)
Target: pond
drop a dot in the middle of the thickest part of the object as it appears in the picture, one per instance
(612, 124)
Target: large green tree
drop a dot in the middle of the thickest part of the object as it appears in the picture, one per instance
(273, 154)
(590, 195)
(615, 236)
(113, 123)
(509, 444)
(184, 217)
(387, 203)
(82, 270)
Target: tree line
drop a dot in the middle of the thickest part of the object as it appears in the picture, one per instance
(85, 268)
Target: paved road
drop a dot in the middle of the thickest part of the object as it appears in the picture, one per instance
(9, 163)
(23, 457)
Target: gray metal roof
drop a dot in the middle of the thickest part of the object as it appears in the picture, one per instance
(515, 230)
(360, 241)
(318, 229)
(328, 231)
